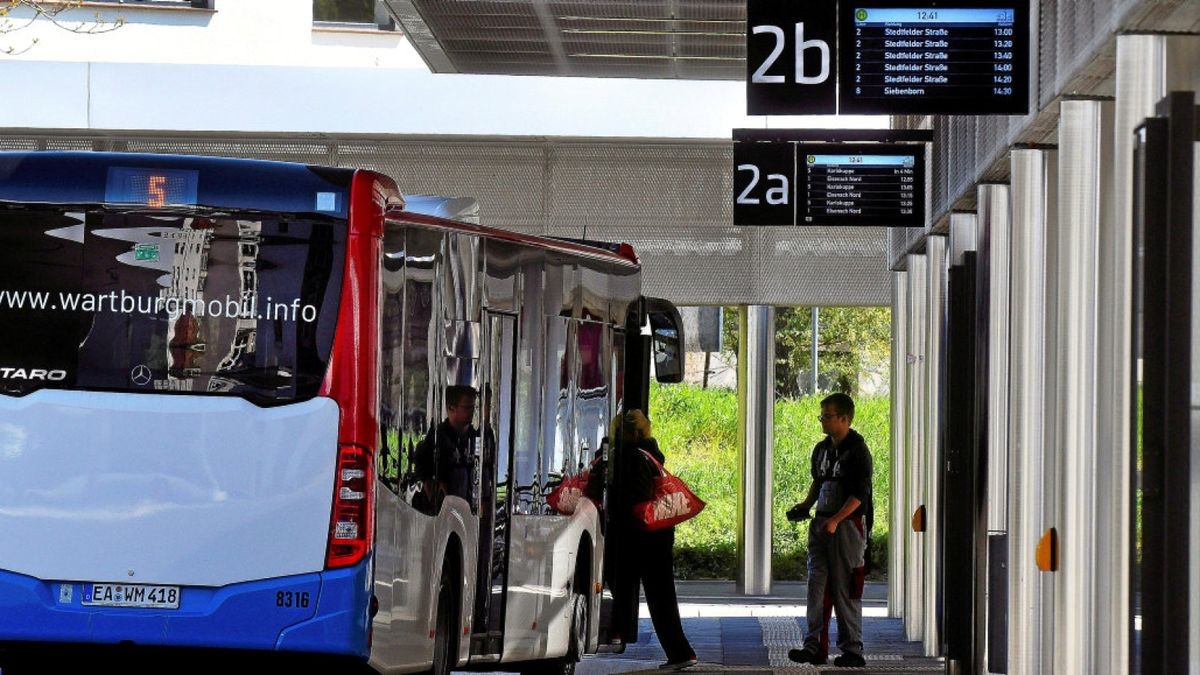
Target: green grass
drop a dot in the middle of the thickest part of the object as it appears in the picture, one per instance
(697, 429)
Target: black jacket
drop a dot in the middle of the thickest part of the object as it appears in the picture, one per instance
(856, 468)
(635, 474)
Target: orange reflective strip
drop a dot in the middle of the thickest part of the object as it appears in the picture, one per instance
(1047, 551)
(918, 519)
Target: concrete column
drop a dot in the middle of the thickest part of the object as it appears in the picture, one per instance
(914, 450)
(756, 424)
(1029, 590)
(935, 341)
(899, 395)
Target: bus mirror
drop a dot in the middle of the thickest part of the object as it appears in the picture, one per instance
(666, 334)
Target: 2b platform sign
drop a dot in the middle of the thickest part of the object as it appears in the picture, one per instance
(790, 57)
(929, 57)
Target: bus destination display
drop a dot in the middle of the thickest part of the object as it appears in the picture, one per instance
(786, 182)
(847, 189)
(942, 58)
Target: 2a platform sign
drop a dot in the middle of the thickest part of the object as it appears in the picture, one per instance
(784, 182)
(929, 57)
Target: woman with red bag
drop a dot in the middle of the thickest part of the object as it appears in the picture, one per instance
(649, 557)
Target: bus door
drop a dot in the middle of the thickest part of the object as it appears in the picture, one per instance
(491, 579)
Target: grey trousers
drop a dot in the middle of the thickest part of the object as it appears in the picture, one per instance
(831, 563)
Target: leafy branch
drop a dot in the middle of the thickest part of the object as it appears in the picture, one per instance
(52, 11)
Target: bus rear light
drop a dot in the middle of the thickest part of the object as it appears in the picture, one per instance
(350, 530)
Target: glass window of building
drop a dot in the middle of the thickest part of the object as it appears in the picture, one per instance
(349, 11)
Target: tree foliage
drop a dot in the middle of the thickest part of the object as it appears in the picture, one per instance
(18, 15)
(851, 341)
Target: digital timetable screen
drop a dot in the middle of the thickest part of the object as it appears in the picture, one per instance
(787, 182)
(852, 189)
(965, 57)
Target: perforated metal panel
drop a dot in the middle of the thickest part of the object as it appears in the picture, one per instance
(671, 200)
(1075, 56)
(18, 144)
(687, 39)
(283, 151)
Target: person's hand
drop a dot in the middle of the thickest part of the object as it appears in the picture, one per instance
(798, 513)
(830, 526)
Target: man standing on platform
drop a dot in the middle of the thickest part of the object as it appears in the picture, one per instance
(841, 491)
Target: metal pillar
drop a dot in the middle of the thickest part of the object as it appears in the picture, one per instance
(899, 394)
(1029, 591)
(963, 237)
(1148, 67)
(816, 339)
(996, 247)
(993, 309)
(1194, 478)
(914, 484)
(935, 340)
(1084, 208)
(962, 529)
(756, 424)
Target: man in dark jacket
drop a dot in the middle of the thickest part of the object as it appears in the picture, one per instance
(841, 492)
(446, 458)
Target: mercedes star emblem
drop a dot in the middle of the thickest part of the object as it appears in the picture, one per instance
(140, 375)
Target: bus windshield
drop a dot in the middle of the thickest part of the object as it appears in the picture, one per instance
(235, 304)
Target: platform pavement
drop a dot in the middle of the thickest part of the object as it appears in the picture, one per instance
(733, 633)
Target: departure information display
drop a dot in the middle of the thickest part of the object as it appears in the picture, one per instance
(784, 182)
(963, 57)
(846, 189)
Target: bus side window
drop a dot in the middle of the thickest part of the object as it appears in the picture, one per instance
(592, 392)
(421, 401)
(666, 331)
(391, 389)
(526, 466)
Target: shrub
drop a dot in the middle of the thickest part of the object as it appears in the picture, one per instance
(697, 429)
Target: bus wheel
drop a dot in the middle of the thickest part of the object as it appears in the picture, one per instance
(576, 645)
(445, 640)
(579, 628)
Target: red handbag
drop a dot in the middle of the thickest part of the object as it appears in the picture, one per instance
(565, 496)
(673, 501)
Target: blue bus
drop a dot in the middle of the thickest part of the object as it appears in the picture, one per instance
(258, 409)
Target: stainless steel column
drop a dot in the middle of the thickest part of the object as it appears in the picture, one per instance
(899, 395)
(995, 244)
(1148, 66)
(935, 340)
(756, 412)
(992, 219)
(964, 237)
(1033, 212)
(1194, 514)
(814, 363)
(1084, 209)
(914, 434)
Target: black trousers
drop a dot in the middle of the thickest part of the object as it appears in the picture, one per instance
(647, 557)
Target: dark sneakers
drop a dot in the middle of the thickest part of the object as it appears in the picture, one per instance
(807, 655)
(679, 665)
(850, 660)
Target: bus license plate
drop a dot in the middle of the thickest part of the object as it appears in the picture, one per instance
(131, 595)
